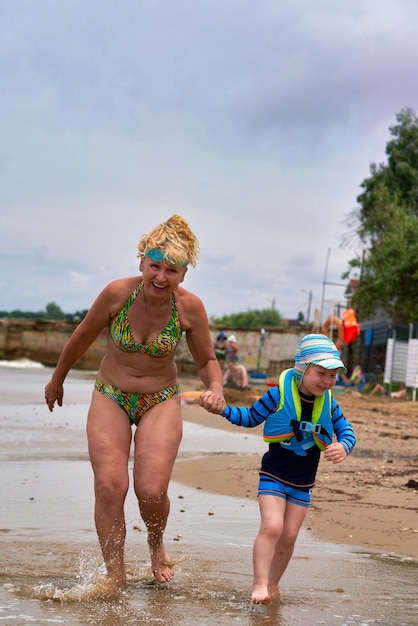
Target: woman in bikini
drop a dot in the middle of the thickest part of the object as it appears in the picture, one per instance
(137, 384)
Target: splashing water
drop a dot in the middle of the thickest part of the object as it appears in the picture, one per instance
(92, 584)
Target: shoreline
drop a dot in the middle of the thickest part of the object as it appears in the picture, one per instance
(370, 501)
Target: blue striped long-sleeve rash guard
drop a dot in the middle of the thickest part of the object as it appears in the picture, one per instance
(279, 461)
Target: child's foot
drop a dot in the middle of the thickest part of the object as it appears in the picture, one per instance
(162, 568)
(260, 595)
(274, 592)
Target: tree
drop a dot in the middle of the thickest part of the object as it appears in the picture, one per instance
(251, 319)
(54, 312)
(386, 223)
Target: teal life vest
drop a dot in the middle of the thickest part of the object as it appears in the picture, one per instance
(285, 425)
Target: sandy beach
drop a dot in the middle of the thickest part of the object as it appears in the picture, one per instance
(354, 563)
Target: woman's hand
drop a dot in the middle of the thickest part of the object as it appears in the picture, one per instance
(212, 401)
(54, 392)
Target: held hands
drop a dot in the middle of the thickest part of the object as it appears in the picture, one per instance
(335, 453)
(54, 392)
(213, 401)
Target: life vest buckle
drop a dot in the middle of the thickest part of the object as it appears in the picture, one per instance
(308, 427)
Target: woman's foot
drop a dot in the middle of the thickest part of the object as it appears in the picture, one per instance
(114, 580)
(162, 567)
(102, 587)
(106, 587)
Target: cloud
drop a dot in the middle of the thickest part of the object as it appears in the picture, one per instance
(257, 122)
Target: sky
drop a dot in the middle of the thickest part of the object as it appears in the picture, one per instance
(256, 121)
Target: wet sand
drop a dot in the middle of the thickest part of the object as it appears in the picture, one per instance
(50, 554)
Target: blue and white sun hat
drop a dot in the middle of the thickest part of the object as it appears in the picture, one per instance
(318, 350)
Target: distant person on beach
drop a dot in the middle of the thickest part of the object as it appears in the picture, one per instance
(357, 379)
(232, 347)
(137, 384)
(236, 374)
(300, 417)
(380, 389)
(220, 346)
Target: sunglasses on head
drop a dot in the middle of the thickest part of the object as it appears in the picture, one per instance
(159, 255)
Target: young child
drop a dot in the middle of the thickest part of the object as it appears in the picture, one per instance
(300, 417)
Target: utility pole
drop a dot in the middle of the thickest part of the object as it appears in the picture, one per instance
(308, 313)
(324, 282)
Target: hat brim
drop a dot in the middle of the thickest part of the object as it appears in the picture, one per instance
(330, 364)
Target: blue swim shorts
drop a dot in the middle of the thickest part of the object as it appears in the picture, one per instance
(269, 486)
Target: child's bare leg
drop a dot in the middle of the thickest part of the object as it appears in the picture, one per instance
(293, 520)
(272, 511)
(282, 556)
(262, 550)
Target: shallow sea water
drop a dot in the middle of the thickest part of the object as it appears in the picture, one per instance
(50, 557)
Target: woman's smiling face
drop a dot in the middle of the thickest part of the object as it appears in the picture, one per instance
(160, 275)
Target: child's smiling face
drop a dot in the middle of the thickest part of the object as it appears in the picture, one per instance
(317, 380)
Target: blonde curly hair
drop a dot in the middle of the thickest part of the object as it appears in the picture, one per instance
(173, 237)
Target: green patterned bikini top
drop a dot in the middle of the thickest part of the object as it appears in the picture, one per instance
(121, 333)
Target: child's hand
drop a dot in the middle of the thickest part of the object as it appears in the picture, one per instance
(335, 453)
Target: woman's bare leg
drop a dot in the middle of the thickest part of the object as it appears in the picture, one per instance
(157, 440)
(109, 438)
